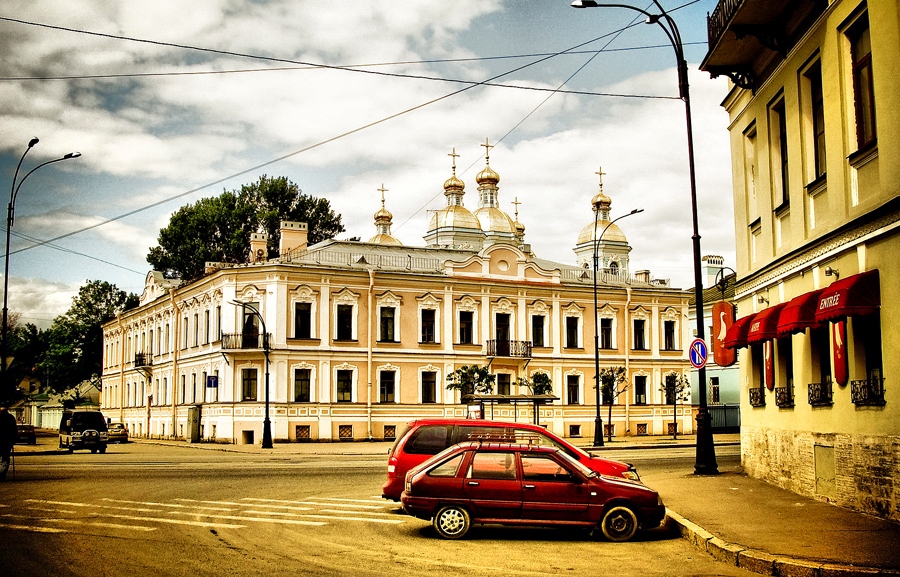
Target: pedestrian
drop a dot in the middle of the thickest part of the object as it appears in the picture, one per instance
(9, 434)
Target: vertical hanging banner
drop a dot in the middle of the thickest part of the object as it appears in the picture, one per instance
(839, 351)
(723, 318)
(768, 354)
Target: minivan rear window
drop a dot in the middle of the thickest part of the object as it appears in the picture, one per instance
(429, 440)
(88, 420)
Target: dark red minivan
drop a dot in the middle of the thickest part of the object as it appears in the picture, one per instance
(425, 438)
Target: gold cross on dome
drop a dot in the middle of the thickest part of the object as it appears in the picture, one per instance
(601, 174)
(517, 203)
(455, 156)
(382, 190)
(487, 150)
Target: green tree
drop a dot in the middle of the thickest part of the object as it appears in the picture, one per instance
(27, 344)
(218, 229)
(677, 388)
(611, 379)
(75, 341)
(471, 379)
(539, 384)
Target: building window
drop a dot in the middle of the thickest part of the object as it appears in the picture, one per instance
(429, 387)
(250, 332)
(301, 385)
(344, 323)
(466, 327)
(863, 92)
(184, 333)
(821, 353)
(714, 397)
(813, 77)
(669, 335)
(572, 332)
(503, 382)
(572, 389)
(387, 324)
(750, 172)
(537, 330)
(778, 138)
(428, 326)
(344, 386)
(606, 341)
(196, 329)
(302, 320)
(206, 327)
(755, 235)
(218, 325)
(386, 386)
(640, 340)
(640, 390)
(867, 336)
(248, 384)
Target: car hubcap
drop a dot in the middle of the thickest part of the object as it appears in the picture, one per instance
(451, 522)
(619, 524)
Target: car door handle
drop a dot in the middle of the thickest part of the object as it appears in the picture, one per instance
(529, 486)
(473, 483)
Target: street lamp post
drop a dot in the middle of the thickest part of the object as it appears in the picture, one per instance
(598, 420)
(267, 424)
(705, 463)
(10, 217)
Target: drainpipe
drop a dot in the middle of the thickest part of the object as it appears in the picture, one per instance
(627, 360)
(370, 298)
(176, 332)
(121, 398)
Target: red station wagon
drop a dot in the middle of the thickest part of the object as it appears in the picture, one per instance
(425, 438)
(482, 482)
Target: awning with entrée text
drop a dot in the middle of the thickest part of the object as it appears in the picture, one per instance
(736, 337)
(764, 325)
(799, 314)
(855, 295)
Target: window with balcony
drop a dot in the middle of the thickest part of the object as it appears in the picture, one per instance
(863, 92)
(386, 386)
(344, 386)
(302, 320)
(302, 385)
(867, 339)
(248, 384)
(429, 329)
(429, 387)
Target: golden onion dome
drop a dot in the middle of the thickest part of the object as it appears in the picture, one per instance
(612, 234)
(487, 176)
(455, 184)
(492, 219)
(383, 214)
(520, 228)
(601, 199)
(455, 216)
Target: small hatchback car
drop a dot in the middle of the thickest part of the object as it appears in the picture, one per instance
(424, 438)
(117, 433)
(515, 484)
(26, 434)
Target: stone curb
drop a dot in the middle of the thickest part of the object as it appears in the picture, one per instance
(761, 562)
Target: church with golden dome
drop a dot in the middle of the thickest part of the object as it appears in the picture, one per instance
(350, 340)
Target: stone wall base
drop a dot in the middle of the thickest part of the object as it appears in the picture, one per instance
(860, 472)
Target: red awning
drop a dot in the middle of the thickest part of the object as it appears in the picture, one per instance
(799, 314)
(852, 296)
(736, 337)
(764, 324)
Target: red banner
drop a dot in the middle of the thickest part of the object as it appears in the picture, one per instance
(839, 351)
(768, 350)
(723, 318)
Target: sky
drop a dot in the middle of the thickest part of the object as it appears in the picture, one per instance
(171, 101)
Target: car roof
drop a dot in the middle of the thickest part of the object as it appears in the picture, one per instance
(521, 447)
(476, 422)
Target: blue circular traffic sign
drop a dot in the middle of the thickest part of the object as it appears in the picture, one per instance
(698, 353)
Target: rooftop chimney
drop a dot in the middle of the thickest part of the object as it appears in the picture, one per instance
(259, 242)
(293, 236)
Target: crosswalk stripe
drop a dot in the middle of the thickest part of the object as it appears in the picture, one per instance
(166, 504)
(316, 503)
(258, 519)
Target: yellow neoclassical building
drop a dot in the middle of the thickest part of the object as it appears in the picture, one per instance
(814, 119)
(354, 339)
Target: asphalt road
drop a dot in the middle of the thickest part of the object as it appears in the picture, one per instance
(151, 510)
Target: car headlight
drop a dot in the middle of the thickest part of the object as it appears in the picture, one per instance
(76, 434)
(104, 436)
(631, 475)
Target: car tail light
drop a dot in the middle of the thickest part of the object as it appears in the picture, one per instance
(392, 467)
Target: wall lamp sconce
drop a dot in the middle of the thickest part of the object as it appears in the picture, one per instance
(832, 272)
(762, 300)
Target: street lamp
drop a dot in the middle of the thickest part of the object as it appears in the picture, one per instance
(705, 463)
(14, 192)
(598, 420)
(267, 424)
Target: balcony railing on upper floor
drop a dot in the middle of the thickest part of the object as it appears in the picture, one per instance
(784, 396)
(506, 348)
(820, 394)
(143, 360)
(757, 397)
(252, 340)
(867, 392)
(719, 19)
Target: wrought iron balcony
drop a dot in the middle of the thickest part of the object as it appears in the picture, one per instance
(867, 392)
(757, 397)
(143, 360)
(784, 396)
(820, 394)
(504, 348)
(254, 340)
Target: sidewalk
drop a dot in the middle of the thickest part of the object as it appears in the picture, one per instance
(736, 519)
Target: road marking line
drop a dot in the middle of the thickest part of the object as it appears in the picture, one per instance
(166, 504)
(316, 503)
(367, 519)
(33, 529)
(376, 499)
(133, 517)
(288, 507)
(212, 502)
(259, 519)
(356, 512)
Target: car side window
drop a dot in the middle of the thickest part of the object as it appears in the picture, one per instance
(429, 440)
(493, 466)
(448, 468)
(543, 468)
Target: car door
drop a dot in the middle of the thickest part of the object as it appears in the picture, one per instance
(551, 491)
(492, 486)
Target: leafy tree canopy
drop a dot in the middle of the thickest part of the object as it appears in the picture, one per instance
(539, 384)
(471, 379)
(218, 229)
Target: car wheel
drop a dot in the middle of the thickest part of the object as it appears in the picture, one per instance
(93, 451)
(102, 450)
(452, 522)
(619, 524)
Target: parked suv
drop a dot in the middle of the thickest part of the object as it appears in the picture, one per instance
(82, 429)
(518, 484)
(425, 438)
